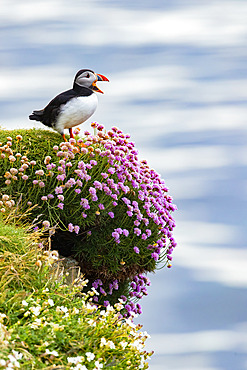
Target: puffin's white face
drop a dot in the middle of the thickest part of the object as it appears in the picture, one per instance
(86, 79)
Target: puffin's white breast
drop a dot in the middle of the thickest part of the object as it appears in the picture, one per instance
(76, 111)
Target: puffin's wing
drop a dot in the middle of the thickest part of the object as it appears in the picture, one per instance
(52, 110)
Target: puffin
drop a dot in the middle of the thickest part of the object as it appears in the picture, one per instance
(74, 106)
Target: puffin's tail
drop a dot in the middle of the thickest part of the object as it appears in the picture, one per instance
(37, 115)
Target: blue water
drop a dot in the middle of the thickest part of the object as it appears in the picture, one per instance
(178, 77)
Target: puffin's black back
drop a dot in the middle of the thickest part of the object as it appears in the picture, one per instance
(49, 114)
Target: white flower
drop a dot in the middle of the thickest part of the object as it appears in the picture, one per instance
(55, 326)
(36, 324)
(35, 310)
(90, 356)
(123, 344)
(53, 353)
(109, 308)
(2, 362)
(79, 367)
(75, 360)
(17, 355)
(63, 309)
(111, 344)
(51, 302)
(137, 344)
(130, 323)
(13, 359)
(94, 291)
(119, 306)
(90, 307)
(2, 316)
(98, 365)
(103, 342)
(146, 335)
(103, 313)
(24, 303)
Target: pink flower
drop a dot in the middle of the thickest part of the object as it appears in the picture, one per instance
(60, 205)
(71, 227)
(58, 190)
(46, 224)
(39, 172)
(84, 203)
(155, 256)
(111, 170)
(137, 231)
(115, 235)
(98, 185)
(77, 229)
(125, 232)
(136, 250)
(111, 214)
(47, 159)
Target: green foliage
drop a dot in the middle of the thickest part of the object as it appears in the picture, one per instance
(57, 328)
(46, 324)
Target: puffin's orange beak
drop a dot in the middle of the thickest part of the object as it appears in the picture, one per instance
(99, 78)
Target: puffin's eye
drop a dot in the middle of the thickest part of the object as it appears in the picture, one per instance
(88, 75)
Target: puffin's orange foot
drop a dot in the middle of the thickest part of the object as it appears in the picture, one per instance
(71, 133)
(64, 138)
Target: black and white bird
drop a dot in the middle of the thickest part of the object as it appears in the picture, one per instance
(74, 106)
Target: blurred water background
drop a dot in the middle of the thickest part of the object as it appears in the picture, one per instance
(178, 77)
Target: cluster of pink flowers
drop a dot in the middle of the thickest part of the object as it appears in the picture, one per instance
(99, 185)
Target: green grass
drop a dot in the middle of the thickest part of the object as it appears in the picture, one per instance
(18, 254)
(35, 143)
